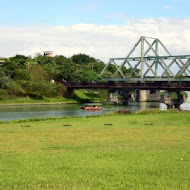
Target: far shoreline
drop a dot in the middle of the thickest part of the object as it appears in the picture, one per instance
(40, 104)
(36, 104)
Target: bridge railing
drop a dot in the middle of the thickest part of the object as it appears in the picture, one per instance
(174, 86)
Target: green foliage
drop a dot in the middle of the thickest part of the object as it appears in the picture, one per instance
(96, 66)
(43, 60)
(14, 88)
(20, 60)
(111, 113)
(129, 74)
(59, 59)
(156, 111)
(37, 73)
(174, 94)
(9, 67)
(89, 96)
(82, 59)
(44, 88)
(50, 71)
(81, 96)
(3, 94)
(3, 81)
(184, 93)
(20, 74)
(107, 74)
(111, 68)
(23, 76)
(27, 86)
(149, 111)
(61, 90)
(88, 76)
(32, 99)
(146, 112)
(67, 69)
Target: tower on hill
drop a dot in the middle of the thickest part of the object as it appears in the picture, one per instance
(48, 53)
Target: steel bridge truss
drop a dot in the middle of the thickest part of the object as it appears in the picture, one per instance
(151, 67)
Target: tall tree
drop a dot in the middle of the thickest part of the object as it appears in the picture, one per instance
(68, 69)
(59, 59)
(37, 73)
(43, 60)
(20, 60)
(82, 59)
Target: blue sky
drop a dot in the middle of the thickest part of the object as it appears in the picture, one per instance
(99, 28)
(101, 12)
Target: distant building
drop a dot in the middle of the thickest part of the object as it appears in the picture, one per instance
(48, 53)
(52, 81)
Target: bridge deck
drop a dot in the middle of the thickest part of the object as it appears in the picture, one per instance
(174, 86)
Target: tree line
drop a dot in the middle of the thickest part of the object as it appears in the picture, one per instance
(24, 76)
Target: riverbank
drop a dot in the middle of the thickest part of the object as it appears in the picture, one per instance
(137, 151)
(35, 104)
(30, 101)
(80, 97)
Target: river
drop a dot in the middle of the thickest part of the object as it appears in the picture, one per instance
(8, 113)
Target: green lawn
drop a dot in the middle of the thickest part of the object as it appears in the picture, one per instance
(136, 152)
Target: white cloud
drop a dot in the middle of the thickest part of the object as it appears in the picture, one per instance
(99, 41)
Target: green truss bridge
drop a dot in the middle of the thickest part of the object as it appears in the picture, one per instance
(155, 63)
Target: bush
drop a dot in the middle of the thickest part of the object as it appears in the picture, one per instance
(156, 111)
(14, 88)
(44, 88)
(124, 112)
(3, 94)
(120, 112)
(148, 111)
(110, 113)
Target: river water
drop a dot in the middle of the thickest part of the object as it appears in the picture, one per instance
(8, 113)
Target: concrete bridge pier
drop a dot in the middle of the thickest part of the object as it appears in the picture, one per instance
(148, 95)
(121, 97)
(173, 102)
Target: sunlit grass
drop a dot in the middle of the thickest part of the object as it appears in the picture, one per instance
(80, 96)
(24, 100)
(136, 152)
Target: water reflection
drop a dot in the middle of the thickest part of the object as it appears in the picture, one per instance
(19, 112)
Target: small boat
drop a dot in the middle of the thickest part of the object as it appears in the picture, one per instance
(91, 107)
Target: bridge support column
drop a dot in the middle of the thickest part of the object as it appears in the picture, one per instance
(173, 102)
(142, 96)
(148, 96)
(119, 97)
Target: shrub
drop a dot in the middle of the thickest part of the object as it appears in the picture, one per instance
(3, 94)
(148, 111)
(110, 113)
(14, 88)
(124, 112)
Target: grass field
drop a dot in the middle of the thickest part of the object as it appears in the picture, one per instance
(136, 152)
